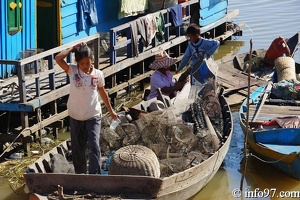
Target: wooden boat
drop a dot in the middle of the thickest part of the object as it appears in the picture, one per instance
(180, 185)
(233, 71)
(272, 130)
(275, 144)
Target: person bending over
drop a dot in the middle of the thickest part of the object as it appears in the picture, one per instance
(162, 78)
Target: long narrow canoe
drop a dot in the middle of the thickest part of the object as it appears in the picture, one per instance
(276, 144)
(179, 185)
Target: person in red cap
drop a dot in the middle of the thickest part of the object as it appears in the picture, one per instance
(162, 78)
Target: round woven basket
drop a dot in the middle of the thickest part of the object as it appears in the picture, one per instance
(285, 68)
(135, 160)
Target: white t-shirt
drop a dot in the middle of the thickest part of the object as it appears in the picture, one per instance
(83, 102)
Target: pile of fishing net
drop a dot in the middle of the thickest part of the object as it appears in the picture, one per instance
(179, 136)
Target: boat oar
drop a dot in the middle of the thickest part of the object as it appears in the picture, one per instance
(247, 117)
(266, 93)
(214, 137)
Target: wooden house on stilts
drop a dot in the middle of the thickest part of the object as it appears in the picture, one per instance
(33, 90)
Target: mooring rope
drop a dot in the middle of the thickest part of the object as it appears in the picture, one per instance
(266, 161)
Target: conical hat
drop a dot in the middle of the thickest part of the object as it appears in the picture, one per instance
(162, 60)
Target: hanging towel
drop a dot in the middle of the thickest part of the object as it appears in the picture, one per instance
(140, 22)
(134, 39)
(87, 14)
(151, 27)
(147, 28)
(176, 15)
(132, 7)
(160, 21)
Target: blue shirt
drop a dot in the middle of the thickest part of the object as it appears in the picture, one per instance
(194, 51)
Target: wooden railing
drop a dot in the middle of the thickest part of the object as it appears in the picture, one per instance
(144, 53)
(40, 88)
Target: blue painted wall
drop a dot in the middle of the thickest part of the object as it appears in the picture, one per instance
(211, 10)
(12, 44)
(107, 18)
(108, 15)
(69, 23)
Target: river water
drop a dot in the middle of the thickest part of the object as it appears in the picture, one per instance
(265, 20)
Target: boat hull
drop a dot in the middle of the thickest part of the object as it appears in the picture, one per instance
(182, 185)
(279, 150)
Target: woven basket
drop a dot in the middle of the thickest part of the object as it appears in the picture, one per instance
(135, 160)
(285, 68)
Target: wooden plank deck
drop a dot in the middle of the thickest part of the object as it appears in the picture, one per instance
(280, 111)
(232, 78)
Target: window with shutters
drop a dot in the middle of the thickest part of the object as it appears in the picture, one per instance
(14, 17)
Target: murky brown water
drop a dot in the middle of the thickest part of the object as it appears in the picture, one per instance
(265, 20)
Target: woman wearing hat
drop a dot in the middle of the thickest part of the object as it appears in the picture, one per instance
(162, 78)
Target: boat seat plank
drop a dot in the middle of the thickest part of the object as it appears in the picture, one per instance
(283, 149)
(280, 111)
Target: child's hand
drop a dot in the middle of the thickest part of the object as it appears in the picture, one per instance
(114, 115)
(187, 79)
(78, 45)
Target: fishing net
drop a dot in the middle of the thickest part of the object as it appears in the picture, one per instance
(179, 136)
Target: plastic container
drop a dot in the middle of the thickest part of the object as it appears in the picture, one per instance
(114, 124)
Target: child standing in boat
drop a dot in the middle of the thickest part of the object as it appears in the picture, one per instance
(86, 83)
(197, 49)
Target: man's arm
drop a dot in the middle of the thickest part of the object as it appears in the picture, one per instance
(211, 46)
(185, 59)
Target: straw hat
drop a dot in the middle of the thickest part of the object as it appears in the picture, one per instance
(162, 60)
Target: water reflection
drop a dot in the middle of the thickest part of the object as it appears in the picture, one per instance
(230, 47)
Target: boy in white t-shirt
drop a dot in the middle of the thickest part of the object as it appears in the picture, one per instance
(86, 83)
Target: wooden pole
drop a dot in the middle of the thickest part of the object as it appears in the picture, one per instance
(247, 117)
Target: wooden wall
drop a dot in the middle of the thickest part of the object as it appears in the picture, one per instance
(11, 44)
(211, 10)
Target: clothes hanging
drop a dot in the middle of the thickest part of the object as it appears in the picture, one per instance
(87, 14)
(147, 28)
(132, 7)
(134, 39)
(176, 15)
(160, 21)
